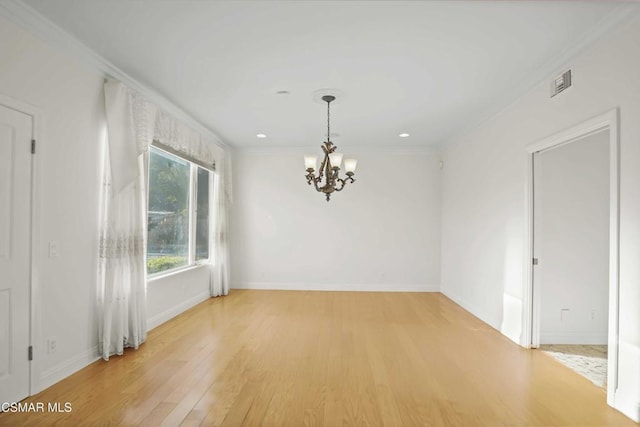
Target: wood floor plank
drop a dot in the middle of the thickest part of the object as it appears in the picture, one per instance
(281, 358)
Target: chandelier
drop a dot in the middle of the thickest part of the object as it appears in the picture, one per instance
(330, 166)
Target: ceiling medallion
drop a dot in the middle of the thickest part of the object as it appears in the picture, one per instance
(330, 166)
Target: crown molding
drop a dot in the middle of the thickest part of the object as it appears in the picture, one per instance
(349, 150)
(38, 25)
(609, 24)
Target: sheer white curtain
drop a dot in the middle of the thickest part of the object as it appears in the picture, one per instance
(219, 281)
(183, 139)
(132, 124)
(122, 270)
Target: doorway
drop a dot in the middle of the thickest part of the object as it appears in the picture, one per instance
(571, 246)
(572, 286)
(16, 134)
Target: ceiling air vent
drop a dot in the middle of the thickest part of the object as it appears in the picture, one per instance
(560, 83)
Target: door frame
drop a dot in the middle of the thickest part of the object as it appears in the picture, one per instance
(531, 297)
(35, 297)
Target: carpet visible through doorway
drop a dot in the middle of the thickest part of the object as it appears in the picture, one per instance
(590, 361)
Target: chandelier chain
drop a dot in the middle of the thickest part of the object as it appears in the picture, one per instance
(328, 121)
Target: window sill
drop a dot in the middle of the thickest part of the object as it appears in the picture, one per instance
(174, 271)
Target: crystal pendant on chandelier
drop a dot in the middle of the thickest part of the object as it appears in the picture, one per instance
(328, 180)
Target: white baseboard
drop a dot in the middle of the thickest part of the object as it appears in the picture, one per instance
(574, 338)
(462, 303)
(67, 368)
(73, 365)
(378, 287)
(169, 314)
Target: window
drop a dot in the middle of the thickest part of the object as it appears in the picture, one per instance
(178, 212)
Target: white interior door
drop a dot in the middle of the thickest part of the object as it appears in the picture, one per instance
(571, 241)
(15, 237)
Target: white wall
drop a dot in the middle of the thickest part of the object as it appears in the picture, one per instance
(68, 164)
(168, 296)
(484, 180)
(572, 241)
(380, 233)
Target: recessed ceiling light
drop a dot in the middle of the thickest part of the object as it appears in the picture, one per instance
(283, 92)
(261, 135)
(403, 135)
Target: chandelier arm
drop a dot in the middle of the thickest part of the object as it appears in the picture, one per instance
(316, 181)
(343, 182)
(334, 177)
(311, 178)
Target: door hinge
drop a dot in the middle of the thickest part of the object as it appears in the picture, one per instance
(30, 352)
(535, 261)
(33, 146)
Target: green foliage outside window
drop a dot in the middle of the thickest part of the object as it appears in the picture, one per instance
(168, 217)
(156, 265)
(168, 240)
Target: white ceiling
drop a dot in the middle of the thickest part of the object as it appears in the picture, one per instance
(432, 69)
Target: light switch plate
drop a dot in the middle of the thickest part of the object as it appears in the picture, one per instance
(54, 249)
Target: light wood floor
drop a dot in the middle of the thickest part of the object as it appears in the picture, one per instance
(279, 358)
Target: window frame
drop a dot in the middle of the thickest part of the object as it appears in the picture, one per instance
(211, 178)
(193, 212)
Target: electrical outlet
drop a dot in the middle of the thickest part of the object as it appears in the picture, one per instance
(52, 344)
(592, 315)
(564, 314)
